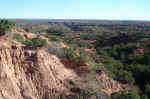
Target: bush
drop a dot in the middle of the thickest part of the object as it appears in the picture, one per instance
(97, 58)
(147, 90)
(140, 73)
(28, 43)
(82, 44)
(5, 26)
(144, 97)
(39, 42)
(36, 42)
(53, 38)
(84, 56)
(58, 29)
(18, 37)
(64, 53)
(125, 77)
(125, 95)
(112, 64)
(69, 54)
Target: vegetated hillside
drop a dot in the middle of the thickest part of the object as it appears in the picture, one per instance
(110, 59)
(32, 73)
(45, 66)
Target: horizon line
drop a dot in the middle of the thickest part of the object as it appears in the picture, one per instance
(75, 19)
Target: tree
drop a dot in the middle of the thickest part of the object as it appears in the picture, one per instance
(144, 97)
(5, 26)
(140, 73)
(69, 54)
(36, 42)
(147, 90)
(39, 42)
(125, 95)
(125, 77)
(18, 37)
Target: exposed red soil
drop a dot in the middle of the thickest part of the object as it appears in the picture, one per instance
(79, 67)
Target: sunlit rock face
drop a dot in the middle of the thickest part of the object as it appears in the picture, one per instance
(28, 73)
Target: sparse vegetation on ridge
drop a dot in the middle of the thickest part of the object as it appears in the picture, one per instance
(121, 49)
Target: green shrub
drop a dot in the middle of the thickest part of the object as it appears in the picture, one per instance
(144, 97)
(53, 38)
(5, 26)
(82, 44)
(112, 64)
(84, 56)
(125, 77)
(125, 95)
(147, 90)
(70, 54)
(97, 58)
(36, 42)
(39, 42)
(28, 43)
(18, 37)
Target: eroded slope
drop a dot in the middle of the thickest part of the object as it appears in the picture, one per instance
(32, 74)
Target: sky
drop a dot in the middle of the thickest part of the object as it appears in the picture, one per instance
(76, 9)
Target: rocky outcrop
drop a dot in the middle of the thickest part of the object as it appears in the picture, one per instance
(27, 73)
(32, 73)
(106, 84)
